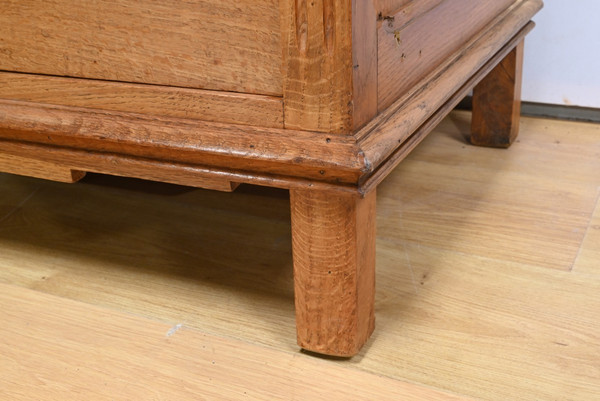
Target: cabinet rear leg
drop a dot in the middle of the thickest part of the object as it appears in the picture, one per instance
(497, 103)
(333, 239)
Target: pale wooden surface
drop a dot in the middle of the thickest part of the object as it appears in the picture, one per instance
(165, 362)
(157, 42)
(588, 257)
(487, 273)
(207, 105)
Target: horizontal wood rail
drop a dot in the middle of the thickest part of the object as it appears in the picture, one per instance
(251, 149)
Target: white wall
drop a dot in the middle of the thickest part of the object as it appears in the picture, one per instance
(562, 54)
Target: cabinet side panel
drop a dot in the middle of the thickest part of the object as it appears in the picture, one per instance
(411, 49)
(409, 7)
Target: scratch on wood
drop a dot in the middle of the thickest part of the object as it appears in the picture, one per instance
(410, 267)
(174, 330)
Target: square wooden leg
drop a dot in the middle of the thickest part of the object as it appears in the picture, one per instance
(497, 103)
(333, 239)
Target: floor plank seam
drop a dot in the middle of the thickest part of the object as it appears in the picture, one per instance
(587, 230)
(20, 205)
(409, 263)
(530, 265)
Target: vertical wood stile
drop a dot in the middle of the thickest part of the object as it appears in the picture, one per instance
(365, 66)
(329, 64)
(317, 64)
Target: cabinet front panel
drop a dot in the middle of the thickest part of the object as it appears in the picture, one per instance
(421, 35)
(227, 45)
(198, 104)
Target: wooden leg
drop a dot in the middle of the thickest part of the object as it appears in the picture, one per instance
(497, 103)
(333, 239)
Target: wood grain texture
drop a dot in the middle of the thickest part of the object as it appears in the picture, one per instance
(271, 154)
(39, 169)
(399, 13)
(317, 60)
(497, 103)
(227, 107)
(384, 134)
(409, 144)
(490, 239)
(544, 229)
(475, 295)
(171, 172)
(386, 7)
(148, 41)
(415, 50)
(588, 257)
(333, 240)
(265, 153)
(253, 150)
(364, 56)
(136, 358)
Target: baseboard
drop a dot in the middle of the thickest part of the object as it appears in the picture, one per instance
(561, 112)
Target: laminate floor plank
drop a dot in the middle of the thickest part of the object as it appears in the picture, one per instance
(59, 349)
(488, 328)
(19, 191)
(530, 203)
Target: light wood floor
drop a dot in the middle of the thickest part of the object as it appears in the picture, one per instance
(488, 283)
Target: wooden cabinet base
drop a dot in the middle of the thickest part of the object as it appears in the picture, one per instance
(323, 98)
